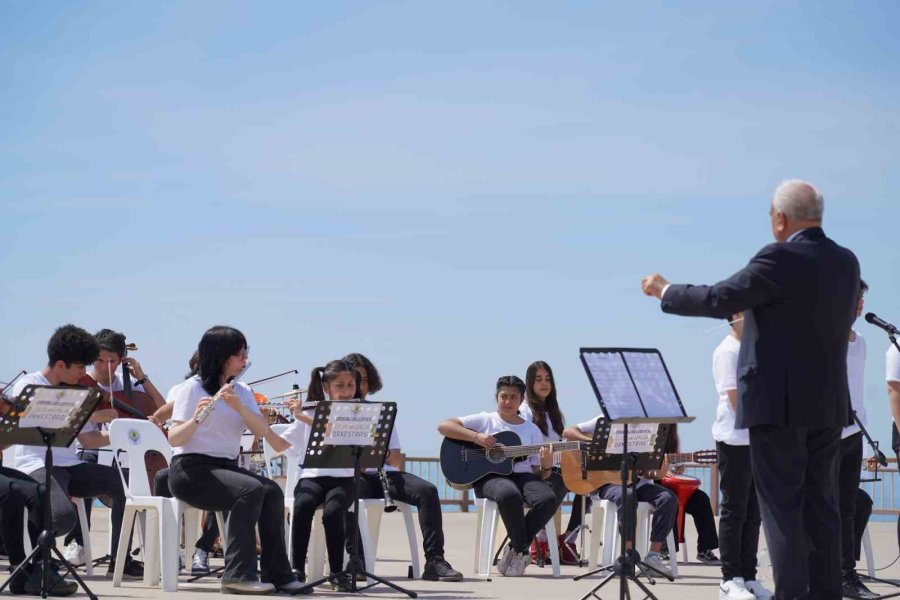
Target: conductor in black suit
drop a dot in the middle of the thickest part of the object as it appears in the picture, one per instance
(799, 298)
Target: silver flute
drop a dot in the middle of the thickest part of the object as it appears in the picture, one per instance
(208, 408)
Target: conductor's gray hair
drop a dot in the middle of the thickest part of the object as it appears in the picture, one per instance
(799, 200)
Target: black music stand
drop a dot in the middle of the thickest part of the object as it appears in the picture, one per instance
(634, 388)
(327, 448)
(49, 437)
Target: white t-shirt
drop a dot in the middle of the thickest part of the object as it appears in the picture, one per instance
(892, 364)
(528, 432)
(526, 413)
(856, 367)
(725, 361)
(220, 434)
(31, 458)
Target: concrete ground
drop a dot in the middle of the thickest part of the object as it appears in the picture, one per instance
(695, 580)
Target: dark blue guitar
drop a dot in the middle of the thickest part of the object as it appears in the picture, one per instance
(464, 463)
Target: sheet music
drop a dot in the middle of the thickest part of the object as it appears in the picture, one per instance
(615, 385)
(352, 424)
(641, 438)
(52, 408)
(652, 381)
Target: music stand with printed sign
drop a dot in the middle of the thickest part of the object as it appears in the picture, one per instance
(638, 399)
(49, 416)
(352, 434)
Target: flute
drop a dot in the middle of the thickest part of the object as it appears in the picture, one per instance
(208, 408)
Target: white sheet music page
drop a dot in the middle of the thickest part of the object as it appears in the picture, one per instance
(352, 424)
(618, 393)
(653, 384)
(52, 408)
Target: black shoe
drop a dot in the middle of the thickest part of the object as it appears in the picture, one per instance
(708, 557)
(293, 588)
(341, 582)
(246, 587)
(134, 569)
(854, 588)
(28, 582)
(438, 569)
(300, 575)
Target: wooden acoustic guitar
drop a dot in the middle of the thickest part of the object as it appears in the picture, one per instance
(572, 475)
(464, 463)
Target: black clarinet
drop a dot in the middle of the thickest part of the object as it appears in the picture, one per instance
(389, 505)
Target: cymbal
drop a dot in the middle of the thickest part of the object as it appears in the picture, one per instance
(286, 394)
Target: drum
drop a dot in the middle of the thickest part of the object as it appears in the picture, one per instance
(684, 487)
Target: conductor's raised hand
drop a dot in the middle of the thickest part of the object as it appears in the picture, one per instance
(653, 285)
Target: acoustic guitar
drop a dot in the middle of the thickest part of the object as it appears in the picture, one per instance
(572, 475)
(464, 463)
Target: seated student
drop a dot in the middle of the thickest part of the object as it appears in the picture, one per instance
(204, 471)
(105, 371)
(18, 491)
(665, 504)
(700, 508)
(525, 486)
(406, 487)
(69, 350)
(329, 487)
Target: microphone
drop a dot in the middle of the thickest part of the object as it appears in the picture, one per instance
(874, 320)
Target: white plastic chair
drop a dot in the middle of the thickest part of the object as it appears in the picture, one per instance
(137, 437)
(486, 532)
(867, 550)
(605, 532)
(372, 509)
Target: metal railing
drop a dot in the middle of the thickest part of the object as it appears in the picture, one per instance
(882, 492)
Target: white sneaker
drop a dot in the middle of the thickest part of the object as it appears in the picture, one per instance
(757, 589)
(503, 563)
(517, 564)
(735, 590)
(654, 560)
(74, 554)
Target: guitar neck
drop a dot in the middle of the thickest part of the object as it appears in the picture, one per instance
(681, 457)
(517, 451)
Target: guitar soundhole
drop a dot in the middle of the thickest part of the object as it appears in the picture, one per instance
(495, 454)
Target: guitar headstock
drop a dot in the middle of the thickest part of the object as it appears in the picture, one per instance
(705, 457)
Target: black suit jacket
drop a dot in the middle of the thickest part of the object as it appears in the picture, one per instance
(800, 301)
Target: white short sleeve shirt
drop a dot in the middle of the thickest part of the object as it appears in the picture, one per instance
(725, 361)
(490, 423)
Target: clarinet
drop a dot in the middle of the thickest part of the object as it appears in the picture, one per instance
(208, 408)
(389, 505)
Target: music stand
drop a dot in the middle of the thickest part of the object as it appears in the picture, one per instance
(64, 410)
(353, 435)
(634, 389)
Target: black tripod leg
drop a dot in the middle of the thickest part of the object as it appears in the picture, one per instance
(310, 586)
(71, 570)
(594, 572)
(645, 567)
(644, 589)
(378, 580)
(603, 582)
(641, 567)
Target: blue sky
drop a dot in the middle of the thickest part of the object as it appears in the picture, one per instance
(454, 189)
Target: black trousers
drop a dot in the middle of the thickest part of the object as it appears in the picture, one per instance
(19, 491)
(795, 470)
(513, 493)
(850, 463)
(215, 484)
(88, 480)
(210, 527)
(699, 508)
(91, 456)
(336, 494)
(665, 507)
(739, 518)
(413, 490)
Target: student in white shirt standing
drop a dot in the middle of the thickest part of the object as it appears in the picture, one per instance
(526, 484)
(69, 350)
(739, 519)
(205, 474)
(850, 460)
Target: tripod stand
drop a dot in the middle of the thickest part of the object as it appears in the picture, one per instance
(46, 541)
(629, 560)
